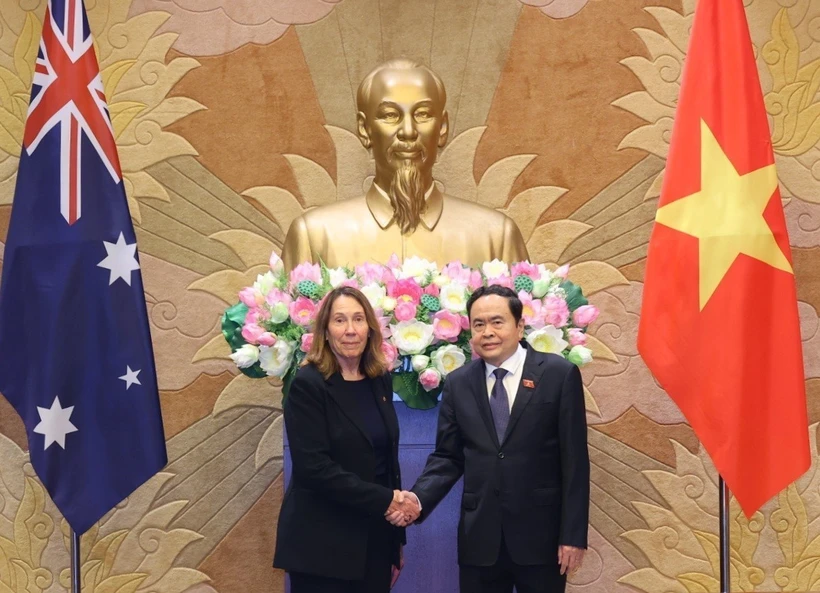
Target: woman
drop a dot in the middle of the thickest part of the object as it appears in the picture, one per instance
(344, 442)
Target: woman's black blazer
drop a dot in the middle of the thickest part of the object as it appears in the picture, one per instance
(332, 499)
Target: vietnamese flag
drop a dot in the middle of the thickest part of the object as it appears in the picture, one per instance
(719, 327)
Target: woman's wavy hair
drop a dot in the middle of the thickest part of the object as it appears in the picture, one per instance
(373, 363)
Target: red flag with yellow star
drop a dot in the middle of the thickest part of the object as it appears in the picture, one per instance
(719, 326)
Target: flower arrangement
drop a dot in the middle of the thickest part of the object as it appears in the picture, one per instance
(422, 311)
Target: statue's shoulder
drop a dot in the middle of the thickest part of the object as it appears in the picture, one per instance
(459, 207)
(332, 212)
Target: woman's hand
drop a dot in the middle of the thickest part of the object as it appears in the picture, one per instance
(404, 509)
(397, 569)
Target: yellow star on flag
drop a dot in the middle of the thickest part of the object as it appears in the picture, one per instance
(726, 215)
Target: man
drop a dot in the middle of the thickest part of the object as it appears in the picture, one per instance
(513, 424)
(402, 120)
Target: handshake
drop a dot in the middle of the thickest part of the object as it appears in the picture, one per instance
(404, 509)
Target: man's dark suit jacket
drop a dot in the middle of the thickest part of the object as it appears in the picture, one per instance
(331, 499)
(533, 486)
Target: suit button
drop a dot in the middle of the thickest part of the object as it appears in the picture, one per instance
(496, 491)
(501, 454)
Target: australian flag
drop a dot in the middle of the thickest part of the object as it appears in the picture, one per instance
(75, 350)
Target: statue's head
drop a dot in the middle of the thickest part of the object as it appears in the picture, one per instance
(402, 120)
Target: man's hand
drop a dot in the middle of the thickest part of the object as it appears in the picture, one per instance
(404, 509)
(570, 558)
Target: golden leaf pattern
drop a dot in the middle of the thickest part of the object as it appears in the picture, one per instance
(136, 80)
(792, 102)
(681, 541)
(31, 525)
(106, 564)
(795, 522)
(25, 51)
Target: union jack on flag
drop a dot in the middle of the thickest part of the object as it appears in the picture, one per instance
(67, 92)
(77, 362)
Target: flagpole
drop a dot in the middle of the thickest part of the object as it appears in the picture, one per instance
(75, 562)
(723, 503)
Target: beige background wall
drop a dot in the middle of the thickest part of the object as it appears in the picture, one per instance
(233, 116)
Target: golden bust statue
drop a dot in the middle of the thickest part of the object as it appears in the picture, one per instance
(402, 120)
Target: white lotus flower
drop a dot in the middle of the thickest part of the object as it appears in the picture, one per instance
(495, 268)
(420, 362)
(448, 358)
(540, 288)
(375, 293)
(336, 276)
(453, 297)
(441, 280)
(245, 356)
(416, 268)
(279, 313)
(548, 339)
(580, 355)
(275, 360)
(388, 304)
(265, 282)
(277, 266)
(412, 337)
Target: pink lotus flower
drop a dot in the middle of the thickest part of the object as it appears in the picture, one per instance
(391, 353)
(584, 315)
(576, 337)
(429, 379)
(351, 282)
(252, 332)
(256, 316)
(525, 268)
(369, 272)
(446, 326)
(302, 311)
(305, 271)
(533, 310)
(394, 263)
(501, 281)
(388, 277)
(475, 280)
(251, 297)
(278, 296)
(432, 290)
(276, 263)
(456, 272)
(267, 339)
(405, 311)
(556, 311)
(562, 272)
(405, 290)
(384, 324)
(307, 342)
(465, 322)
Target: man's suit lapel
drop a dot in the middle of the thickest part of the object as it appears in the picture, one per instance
(531, 375)
(479, 389)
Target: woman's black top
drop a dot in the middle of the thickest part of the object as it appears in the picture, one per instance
(362, 393)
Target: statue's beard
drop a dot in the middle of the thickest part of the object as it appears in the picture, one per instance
(407, 189)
